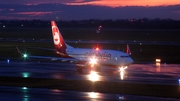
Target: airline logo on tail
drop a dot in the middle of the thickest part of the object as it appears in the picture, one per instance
(57, 38)
(55, 32)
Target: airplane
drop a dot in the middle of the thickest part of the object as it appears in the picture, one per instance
(84, 57)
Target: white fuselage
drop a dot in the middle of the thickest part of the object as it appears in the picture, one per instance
(104, 57)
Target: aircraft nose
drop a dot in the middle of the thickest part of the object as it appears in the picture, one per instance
(129, 61)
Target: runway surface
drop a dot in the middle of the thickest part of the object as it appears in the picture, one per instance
(41, 94)
(139, 73)
(142, 73)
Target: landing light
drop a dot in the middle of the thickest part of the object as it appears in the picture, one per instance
(93, 61)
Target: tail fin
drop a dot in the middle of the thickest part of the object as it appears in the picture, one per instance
(59, 43)
(128, 51)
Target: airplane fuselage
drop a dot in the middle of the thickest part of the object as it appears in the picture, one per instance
(104, 57)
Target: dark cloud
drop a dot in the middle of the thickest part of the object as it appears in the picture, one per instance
(34, 2)
(65, 12)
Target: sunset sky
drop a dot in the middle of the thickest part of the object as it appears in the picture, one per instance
(110, 3)
(89, 9)
(117, 3)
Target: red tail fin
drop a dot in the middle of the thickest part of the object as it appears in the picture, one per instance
(59, 43)
(128, 51)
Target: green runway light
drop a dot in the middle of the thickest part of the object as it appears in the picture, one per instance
(25, 74)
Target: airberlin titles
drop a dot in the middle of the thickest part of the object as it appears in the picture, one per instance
(104, 55)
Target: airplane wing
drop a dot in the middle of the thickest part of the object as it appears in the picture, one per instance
(71, 60)
(41, 48)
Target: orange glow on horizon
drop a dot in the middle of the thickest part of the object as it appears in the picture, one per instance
(117, 3)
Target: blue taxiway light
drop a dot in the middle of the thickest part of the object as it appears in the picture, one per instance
(8, 61)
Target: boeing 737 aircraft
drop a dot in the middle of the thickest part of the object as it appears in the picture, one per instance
(86, 58)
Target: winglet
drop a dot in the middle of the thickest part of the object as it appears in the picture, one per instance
(128, 51)
(18, 50)
(23, 55)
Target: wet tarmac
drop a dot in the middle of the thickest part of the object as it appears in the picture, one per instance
(42, 94)
(139, 73)
(142, 73)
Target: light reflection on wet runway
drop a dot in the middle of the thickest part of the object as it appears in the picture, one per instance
(143, 73)
(42, 94)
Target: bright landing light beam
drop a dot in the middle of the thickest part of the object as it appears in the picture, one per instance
(93, 61)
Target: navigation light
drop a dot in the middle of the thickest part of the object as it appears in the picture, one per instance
(97, 48)
(93, 61)
(25, 55)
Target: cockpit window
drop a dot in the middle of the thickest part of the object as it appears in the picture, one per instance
(125, 56)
